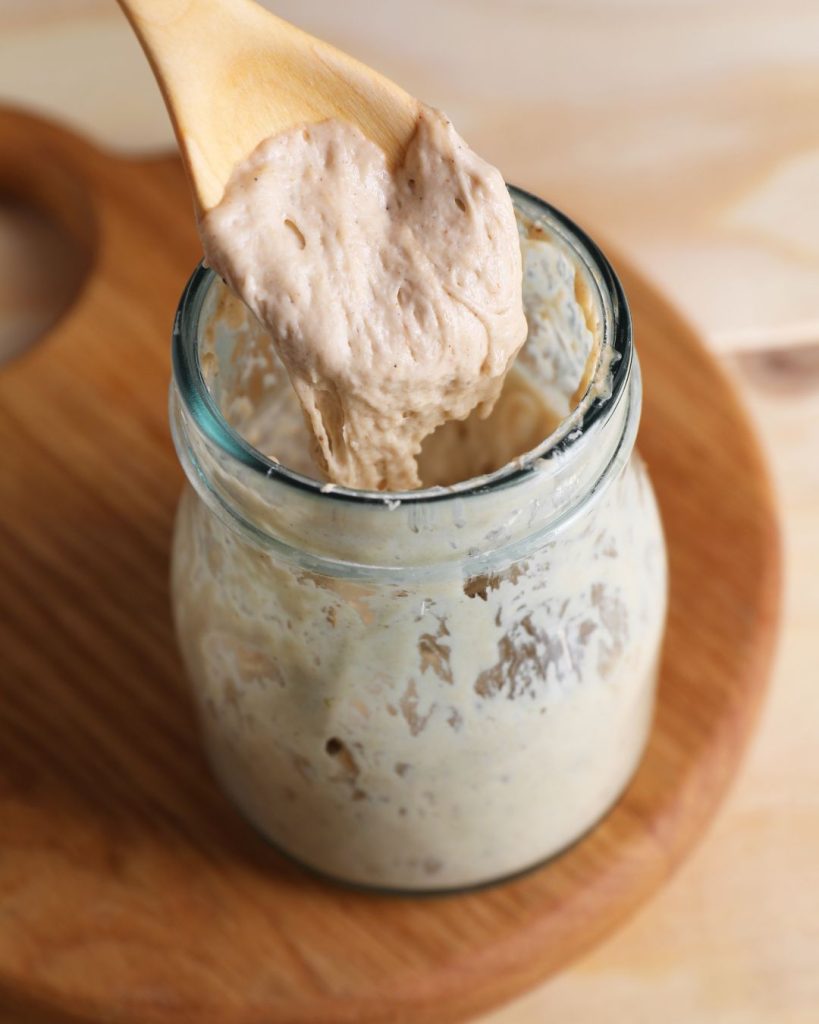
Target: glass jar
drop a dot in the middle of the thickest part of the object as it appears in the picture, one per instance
(434, 689)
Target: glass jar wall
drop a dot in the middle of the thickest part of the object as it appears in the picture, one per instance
(433, 689)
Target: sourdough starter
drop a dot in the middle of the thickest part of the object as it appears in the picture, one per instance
(393, 300)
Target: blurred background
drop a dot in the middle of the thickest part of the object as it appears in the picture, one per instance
(684, 135)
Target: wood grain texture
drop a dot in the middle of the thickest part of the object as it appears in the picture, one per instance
(130, 890)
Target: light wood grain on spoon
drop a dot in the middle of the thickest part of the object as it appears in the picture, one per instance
(233, 74)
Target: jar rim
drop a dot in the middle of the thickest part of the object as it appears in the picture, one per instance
(614, 360)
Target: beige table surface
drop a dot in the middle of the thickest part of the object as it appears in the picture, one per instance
(687, 132)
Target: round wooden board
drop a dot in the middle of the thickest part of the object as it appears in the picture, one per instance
(130, 890)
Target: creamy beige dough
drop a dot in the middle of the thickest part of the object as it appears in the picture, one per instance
(393, 300)
(458, 450)
(254, 392)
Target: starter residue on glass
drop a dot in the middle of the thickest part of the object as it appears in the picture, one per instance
(426, 733)
(392, 299)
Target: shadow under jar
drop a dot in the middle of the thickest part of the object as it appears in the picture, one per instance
(433, 689)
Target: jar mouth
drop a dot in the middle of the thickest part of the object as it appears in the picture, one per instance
(607, 383)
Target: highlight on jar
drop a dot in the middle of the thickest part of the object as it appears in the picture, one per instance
(418, 572)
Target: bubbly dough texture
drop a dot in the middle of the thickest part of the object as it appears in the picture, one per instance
(393, 300)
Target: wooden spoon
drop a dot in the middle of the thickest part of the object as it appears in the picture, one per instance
(233, 74)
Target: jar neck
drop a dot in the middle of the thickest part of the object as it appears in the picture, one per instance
(484, 528)
(483, 522)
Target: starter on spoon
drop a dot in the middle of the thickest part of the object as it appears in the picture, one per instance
(382, 255)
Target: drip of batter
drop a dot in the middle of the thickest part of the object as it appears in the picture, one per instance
(393, 299)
